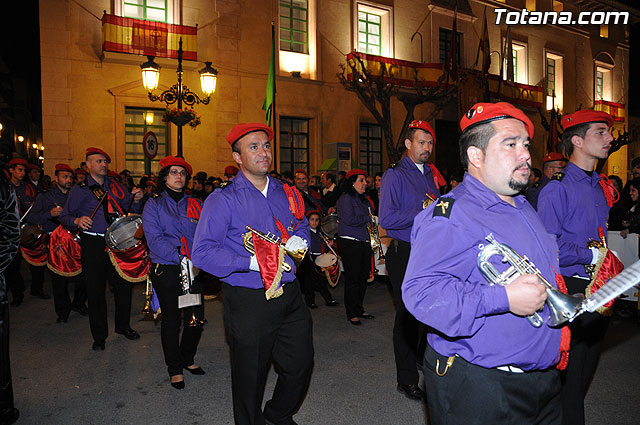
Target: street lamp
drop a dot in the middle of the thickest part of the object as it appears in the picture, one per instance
(179, 92)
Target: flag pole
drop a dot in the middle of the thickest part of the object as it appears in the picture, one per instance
(273, 110)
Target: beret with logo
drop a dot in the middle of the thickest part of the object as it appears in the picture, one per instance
(584, 116)
(423, 125)
(240, 130)
(487, 112)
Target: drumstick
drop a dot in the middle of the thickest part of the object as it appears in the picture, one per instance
(98, 206)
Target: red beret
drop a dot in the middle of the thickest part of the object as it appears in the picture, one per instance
(34, 167)
(488, 112)
(150, 183)
(80, 171)
(64, 167)
(18, 161)
(357, 172)
(114, 175)
(176, 160)
(241, 130)
(423, 125)
(231, 170)
(553, 156)
(300, 170)
(97, 151)
(584, 116)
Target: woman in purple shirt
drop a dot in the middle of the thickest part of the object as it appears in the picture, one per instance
(353, 243)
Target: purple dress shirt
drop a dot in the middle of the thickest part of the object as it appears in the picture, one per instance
(444, 288)
(217, 245)
(402, 191)
(572, 209)
(353, 216)
(41, 211)
(165, 222)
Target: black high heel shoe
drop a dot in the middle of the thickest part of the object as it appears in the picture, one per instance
(177, 385)
(196, 370)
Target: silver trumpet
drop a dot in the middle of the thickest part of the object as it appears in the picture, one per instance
(562, 307)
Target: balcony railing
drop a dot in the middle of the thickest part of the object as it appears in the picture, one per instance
(139, 37)
(616, 110)
(412, 74)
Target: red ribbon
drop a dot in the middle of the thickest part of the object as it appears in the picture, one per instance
(565, 336)
(117, 191)
(437, 177)
(296, 202)
(268, 257)
(610, 192)
(611, 267)
(194, 208)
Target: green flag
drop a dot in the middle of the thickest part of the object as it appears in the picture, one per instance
(270, 97)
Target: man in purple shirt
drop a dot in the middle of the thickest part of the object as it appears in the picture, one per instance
(574, 206)
(485, 363)
(259, 329)
(406, 189)
(96, 265)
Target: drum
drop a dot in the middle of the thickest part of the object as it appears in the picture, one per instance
(121, 235)
(329, 225)
(329, 266)
(30, 235)
(64, 253)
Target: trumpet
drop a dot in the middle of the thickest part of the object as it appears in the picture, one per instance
(186, 278)
(428, 201)
(562, 307)
(297, 256)
(374, 236)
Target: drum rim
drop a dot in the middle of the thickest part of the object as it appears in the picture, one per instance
(124, 219)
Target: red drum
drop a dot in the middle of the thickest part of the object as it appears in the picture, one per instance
(64, 253)
(132, 264)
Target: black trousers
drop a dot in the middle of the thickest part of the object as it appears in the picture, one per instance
(60, 288)
(6, 387)
(587, 333)
(178, 354)
(96, 269)
(469, 394)
(260, 330)
(313, 282)
(408, 347)
(13, 277)
(356, 258)
(37, 278)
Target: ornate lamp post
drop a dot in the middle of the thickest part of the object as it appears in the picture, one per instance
(179, 92)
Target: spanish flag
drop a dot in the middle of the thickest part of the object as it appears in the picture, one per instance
(148, 38)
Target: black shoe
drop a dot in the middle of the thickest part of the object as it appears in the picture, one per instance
(367, 316)
(98, 346)
(411, 391)
(130, 334)
(41, 295)
(312, 305)
(9, 416)
(196, 371)
(178, 385)
(354, 322)
(332, 303)
(61, 320)
(82, 310)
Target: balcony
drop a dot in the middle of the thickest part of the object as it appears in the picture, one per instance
(148, 38)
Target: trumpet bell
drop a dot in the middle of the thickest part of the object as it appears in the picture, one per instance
(562, 307)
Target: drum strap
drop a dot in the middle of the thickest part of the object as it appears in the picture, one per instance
(110, 214)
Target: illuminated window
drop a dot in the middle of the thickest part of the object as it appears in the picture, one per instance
(554, 73)
(150, 10)
(519, 55)
(604, 30)
(294, 26)
(530, 5)
(603, 83)
(557, 6)
(373, 24)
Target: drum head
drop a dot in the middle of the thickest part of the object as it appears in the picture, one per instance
(121, 234)
(326, 260)
(329, 225)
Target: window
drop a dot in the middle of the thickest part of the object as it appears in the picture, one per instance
(445, 46)
(557, 6)
(294, 143)
(554, 73)
(369, 33)
(530, 5)
(137, 122)
(294, 26)
(603, 83)
(150, 10)
(374, 28)
(599, 85)
(604, 30)
(371, 148)
(519, 55)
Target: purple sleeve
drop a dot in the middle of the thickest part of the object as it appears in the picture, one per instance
(439, 287)
(393, 212)
(154, 235)
(209, 252)
(552, 208)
